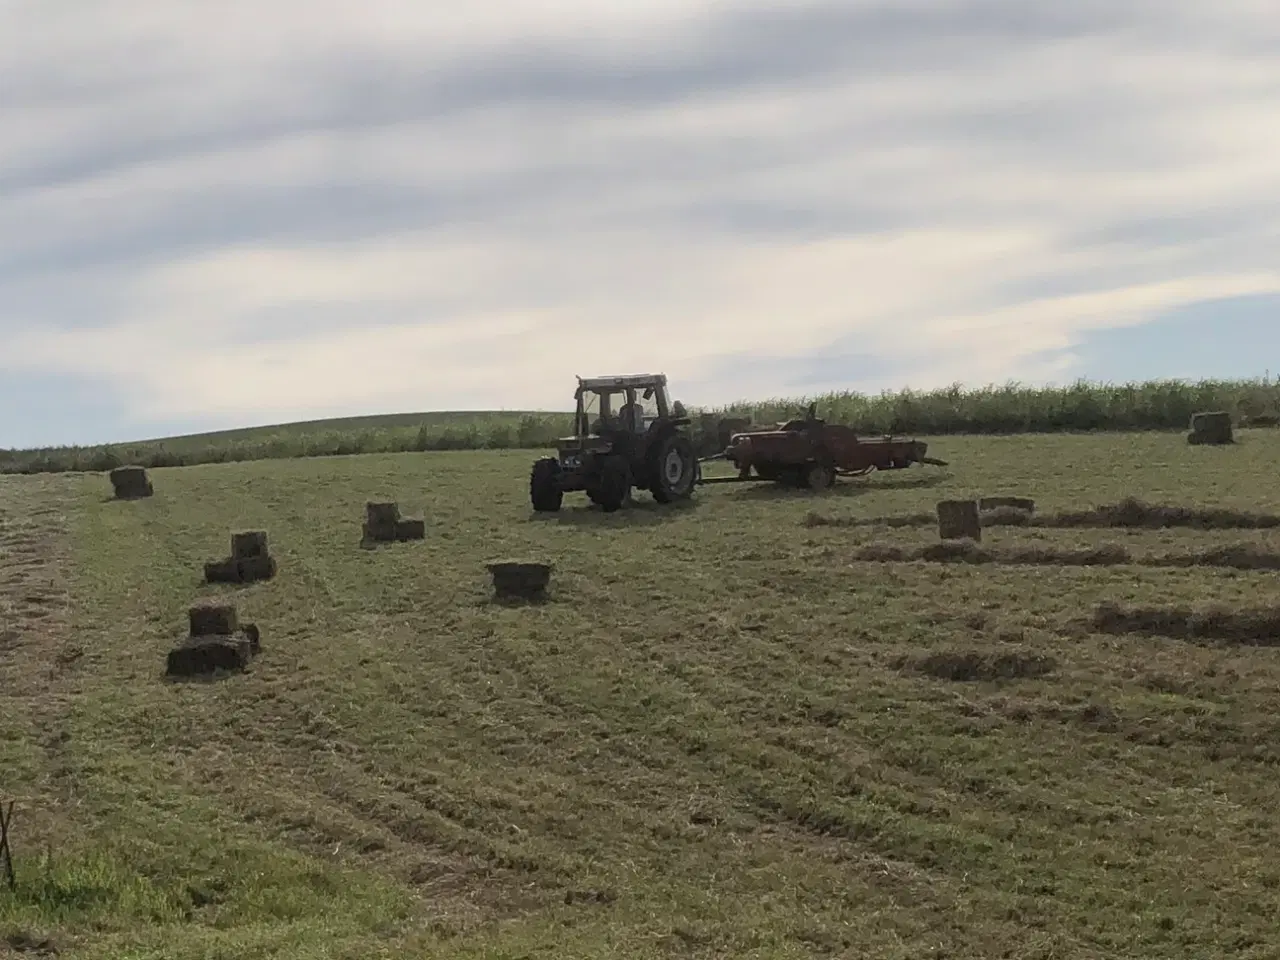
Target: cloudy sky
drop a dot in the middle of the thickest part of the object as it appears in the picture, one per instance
(238, 212)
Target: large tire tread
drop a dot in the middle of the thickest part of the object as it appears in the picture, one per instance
(615, 484)
(544, 491)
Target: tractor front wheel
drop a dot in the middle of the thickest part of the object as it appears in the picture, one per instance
(673, 469)
(544, 485)
(613, 488)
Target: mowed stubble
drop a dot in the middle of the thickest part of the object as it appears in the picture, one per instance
(723, 735)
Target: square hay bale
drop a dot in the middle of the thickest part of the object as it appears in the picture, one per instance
(226, 570)
(213, 619)
(1025, 504)
(370, 534)
(1213, 427)
(131, 482)
(411, 530)
(382, 522)
(251, 543)
(520, 581)
(959, 520)
(253, 569)
(199, 656)
(382, 514)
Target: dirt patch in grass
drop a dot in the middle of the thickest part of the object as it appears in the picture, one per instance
(1249, 627)
(970, 665)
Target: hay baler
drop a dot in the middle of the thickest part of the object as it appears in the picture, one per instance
(811, 452)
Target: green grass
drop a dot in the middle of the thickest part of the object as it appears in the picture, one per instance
(723, 737)
(1011, 409)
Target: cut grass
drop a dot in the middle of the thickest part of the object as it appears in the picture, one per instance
(718, 737)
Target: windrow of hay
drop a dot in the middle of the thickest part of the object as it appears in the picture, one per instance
(1238, 556)
(966, 551)
(1134, 513)
(816, 519)
(1006, 517)
(1256, 627)
(968, 665)
(1242, 556)
(1130, 513)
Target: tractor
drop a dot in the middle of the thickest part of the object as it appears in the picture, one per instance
(627, 435)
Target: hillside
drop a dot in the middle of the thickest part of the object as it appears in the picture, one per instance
(739, 728)
(344, 426)
(1011, 409)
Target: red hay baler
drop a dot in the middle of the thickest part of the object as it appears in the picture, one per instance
(812, 453)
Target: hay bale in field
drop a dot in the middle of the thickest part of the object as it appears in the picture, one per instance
(212, 619)
(216, 641)
(250, 560)
(1213, 428)
(251, 543)
(252, 569)
(411, 530)
(383, 524)
(131, 482)
(959, 520)
(226, 570)
(198, 656)
(520, 581)
(1025, 504)
(382, 514)
(381, 521)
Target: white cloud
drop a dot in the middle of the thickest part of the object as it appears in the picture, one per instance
(320, 209)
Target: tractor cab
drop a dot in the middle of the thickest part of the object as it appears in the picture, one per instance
(615, 414)
(631, 404)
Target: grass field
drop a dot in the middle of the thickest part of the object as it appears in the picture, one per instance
(723, 737)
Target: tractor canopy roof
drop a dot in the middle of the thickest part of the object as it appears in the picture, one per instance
(622, 382)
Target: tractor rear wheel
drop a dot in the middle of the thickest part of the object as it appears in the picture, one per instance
(544, 485)
(673, 468)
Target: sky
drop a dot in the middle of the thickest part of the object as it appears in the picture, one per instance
(233, 213)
